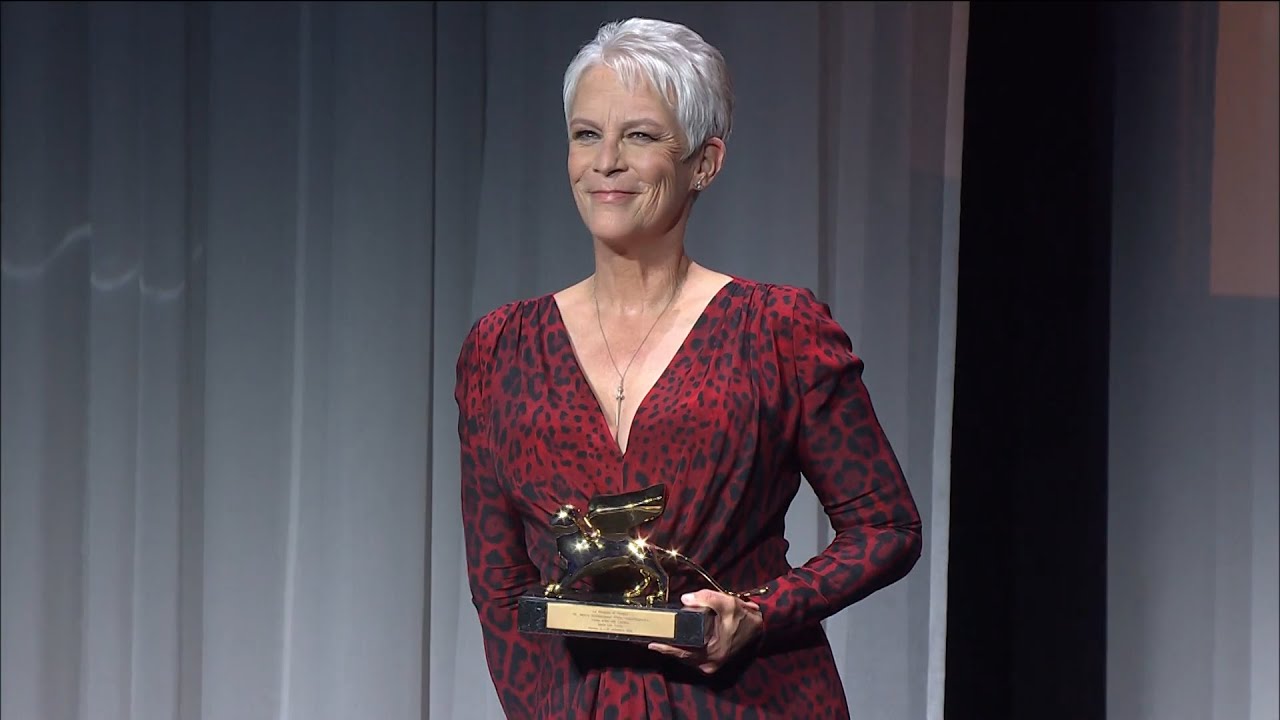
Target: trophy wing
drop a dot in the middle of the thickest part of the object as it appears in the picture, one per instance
(618, 514)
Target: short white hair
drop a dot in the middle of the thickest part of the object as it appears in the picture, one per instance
(675, 61)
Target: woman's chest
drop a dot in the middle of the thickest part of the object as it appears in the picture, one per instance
(553, 443)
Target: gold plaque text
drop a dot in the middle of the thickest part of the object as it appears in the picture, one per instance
(618, 621)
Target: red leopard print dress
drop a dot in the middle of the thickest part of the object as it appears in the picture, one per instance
(765, 387)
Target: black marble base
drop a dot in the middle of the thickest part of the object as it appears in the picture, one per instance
(595, 617)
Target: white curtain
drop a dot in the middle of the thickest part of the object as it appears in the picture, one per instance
(241, 246)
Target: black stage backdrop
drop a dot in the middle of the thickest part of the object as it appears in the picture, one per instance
(1026, 629)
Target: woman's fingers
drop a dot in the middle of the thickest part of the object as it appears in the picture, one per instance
(675, 652)
(706, 658)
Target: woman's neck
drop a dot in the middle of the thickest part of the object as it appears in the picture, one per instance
(640, 282)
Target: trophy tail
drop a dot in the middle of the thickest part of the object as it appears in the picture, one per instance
(744, 594)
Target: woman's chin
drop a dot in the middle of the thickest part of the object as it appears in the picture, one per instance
(616, 233)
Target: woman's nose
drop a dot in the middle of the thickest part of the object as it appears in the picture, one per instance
(608, 158)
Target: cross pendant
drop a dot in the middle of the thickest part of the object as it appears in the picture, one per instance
(618, 396)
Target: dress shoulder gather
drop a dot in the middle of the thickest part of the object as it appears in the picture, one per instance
(753, 293)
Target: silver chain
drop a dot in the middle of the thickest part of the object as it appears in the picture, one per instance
(619, 394)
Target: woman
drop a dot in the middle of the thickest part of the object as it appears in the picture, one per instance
(657, 369)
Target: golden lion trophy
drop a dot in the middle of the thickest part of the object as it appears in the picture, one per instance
(629, 600)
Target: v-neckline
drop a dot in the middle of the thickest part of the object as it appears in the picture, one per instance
(602, 422)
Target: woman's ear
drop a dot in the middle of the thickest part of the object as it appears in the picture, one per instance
(710, 159)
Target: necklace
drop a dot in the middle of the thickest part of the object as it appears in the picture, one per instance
(620, 393)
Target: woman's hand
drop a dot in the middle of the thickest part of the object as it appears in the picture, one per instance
(737, 624)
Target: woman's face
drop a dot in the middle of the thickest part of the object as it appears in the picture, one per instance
(624, 159)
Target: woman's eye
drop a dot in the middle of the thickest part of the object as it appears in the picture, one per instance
(583, 135)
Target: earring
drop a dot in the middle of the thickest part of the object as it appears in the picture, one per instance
(697, 185)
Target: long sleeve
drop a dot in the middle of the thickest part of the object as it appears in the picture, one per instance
(846, 457)
(498, 567)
